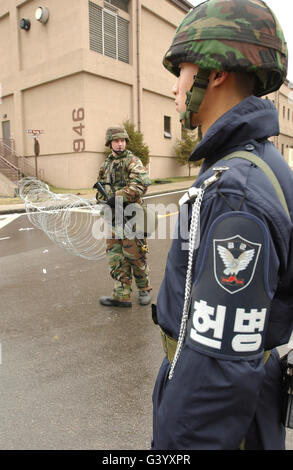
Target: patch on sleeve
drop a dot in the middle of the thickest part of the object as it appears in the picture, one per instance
(231, 297)
(235, 261)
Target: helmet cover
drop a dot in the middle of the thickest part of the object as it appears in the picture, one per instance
(116, 132)
(232, 35)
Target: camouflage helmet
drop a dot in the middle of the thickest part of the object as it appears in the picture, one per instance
(232, 35)
(116, 132)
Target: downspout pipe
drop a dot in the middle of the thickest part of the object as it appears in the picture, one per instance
(138, 78)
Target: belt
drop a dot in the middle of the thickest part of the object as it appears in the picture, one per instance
(170, 344)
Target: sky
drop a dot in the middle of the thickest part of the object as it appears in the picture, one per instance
(283, 10)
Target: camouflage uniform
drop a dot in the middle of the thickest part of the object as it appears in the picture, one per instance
(126, 175)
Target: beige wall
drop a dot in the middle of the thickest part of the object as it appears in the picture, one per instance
(156, 36)
(157, 82)
(50, 71)
(58, 37)
(6, 57)
(7, 187)
(49, 107)
(7, 109)
(106, 102)
(285, 141)
(155, 107)
(283, 100)
(79, 169)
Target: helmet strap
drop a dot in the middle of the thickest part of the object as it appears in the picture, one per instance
(117, 152)
(195, 96)
(185, 119)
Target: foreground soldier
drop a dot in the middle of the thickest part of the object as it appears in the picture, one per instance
(124, 176)
(229, 301)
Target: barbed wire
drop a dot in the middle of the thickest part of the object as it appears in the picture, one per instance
(71, 222)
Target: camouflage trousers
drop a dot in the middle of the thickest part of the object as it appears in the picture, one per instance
(127, 260)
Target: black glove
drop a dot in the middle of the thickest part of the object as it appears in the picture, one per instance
(111, 201)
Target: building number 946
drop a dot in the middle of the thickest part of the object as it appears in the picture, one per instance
(78, 127)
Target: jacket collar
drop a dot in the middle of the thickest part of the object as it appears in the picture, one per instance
(119, 157)
(252, 119)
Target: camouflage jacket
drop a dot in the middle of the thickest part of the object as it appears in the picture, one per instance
(126, 175)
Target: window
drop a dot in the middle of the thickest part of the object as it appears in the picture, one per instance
(288, 114)
(122, 4)
(167, 127)
(284, 112)
(109, 33)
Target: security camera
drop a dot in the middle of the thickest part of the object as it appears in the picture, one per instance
(25, 24)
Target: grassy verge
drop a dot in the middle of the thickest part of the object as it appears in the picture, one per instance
(10, 200)
(80, 192)
(176, 179)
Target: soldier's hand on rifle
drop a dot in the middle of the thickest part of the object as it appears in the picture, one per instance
(100, 190)
(111, 201)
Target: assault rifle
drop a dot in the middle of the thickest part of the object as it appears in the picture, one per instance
(99, 187)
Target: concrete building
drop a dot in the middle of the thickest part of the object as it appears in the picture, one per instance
(283, 100)
(71, 68)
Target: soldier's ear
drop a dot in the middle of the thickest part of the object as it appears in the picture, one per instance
(218, 77)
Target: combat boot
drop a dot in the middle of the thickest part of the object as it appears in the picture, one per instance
(110, 302)
(144, 297)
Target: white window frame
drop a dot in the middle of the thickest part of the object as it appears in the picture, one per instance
(121, 46)
(105, 10)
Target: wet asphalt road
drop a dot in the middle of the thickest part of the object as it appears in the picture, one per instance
(73, 374)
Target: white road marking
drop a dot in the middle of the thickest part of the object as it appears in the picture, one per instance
(166, 194)
(7, 219)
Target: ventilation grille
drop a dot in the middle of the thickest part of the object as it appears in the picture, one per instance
(109, 34)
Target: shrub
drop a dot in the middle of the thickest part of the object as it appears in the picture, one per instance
(184, 147)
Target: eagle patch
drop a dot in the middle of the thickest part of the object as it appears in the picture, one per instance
(235, 260)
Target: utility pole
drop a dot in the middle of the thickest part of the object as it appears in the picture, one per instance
(37, 153)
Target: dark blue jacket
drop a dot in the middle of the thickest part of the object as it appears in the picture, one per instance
(221, 392)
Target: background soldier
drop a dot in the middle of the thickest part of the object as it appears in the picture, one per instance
(123, 175)
(229, 300)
